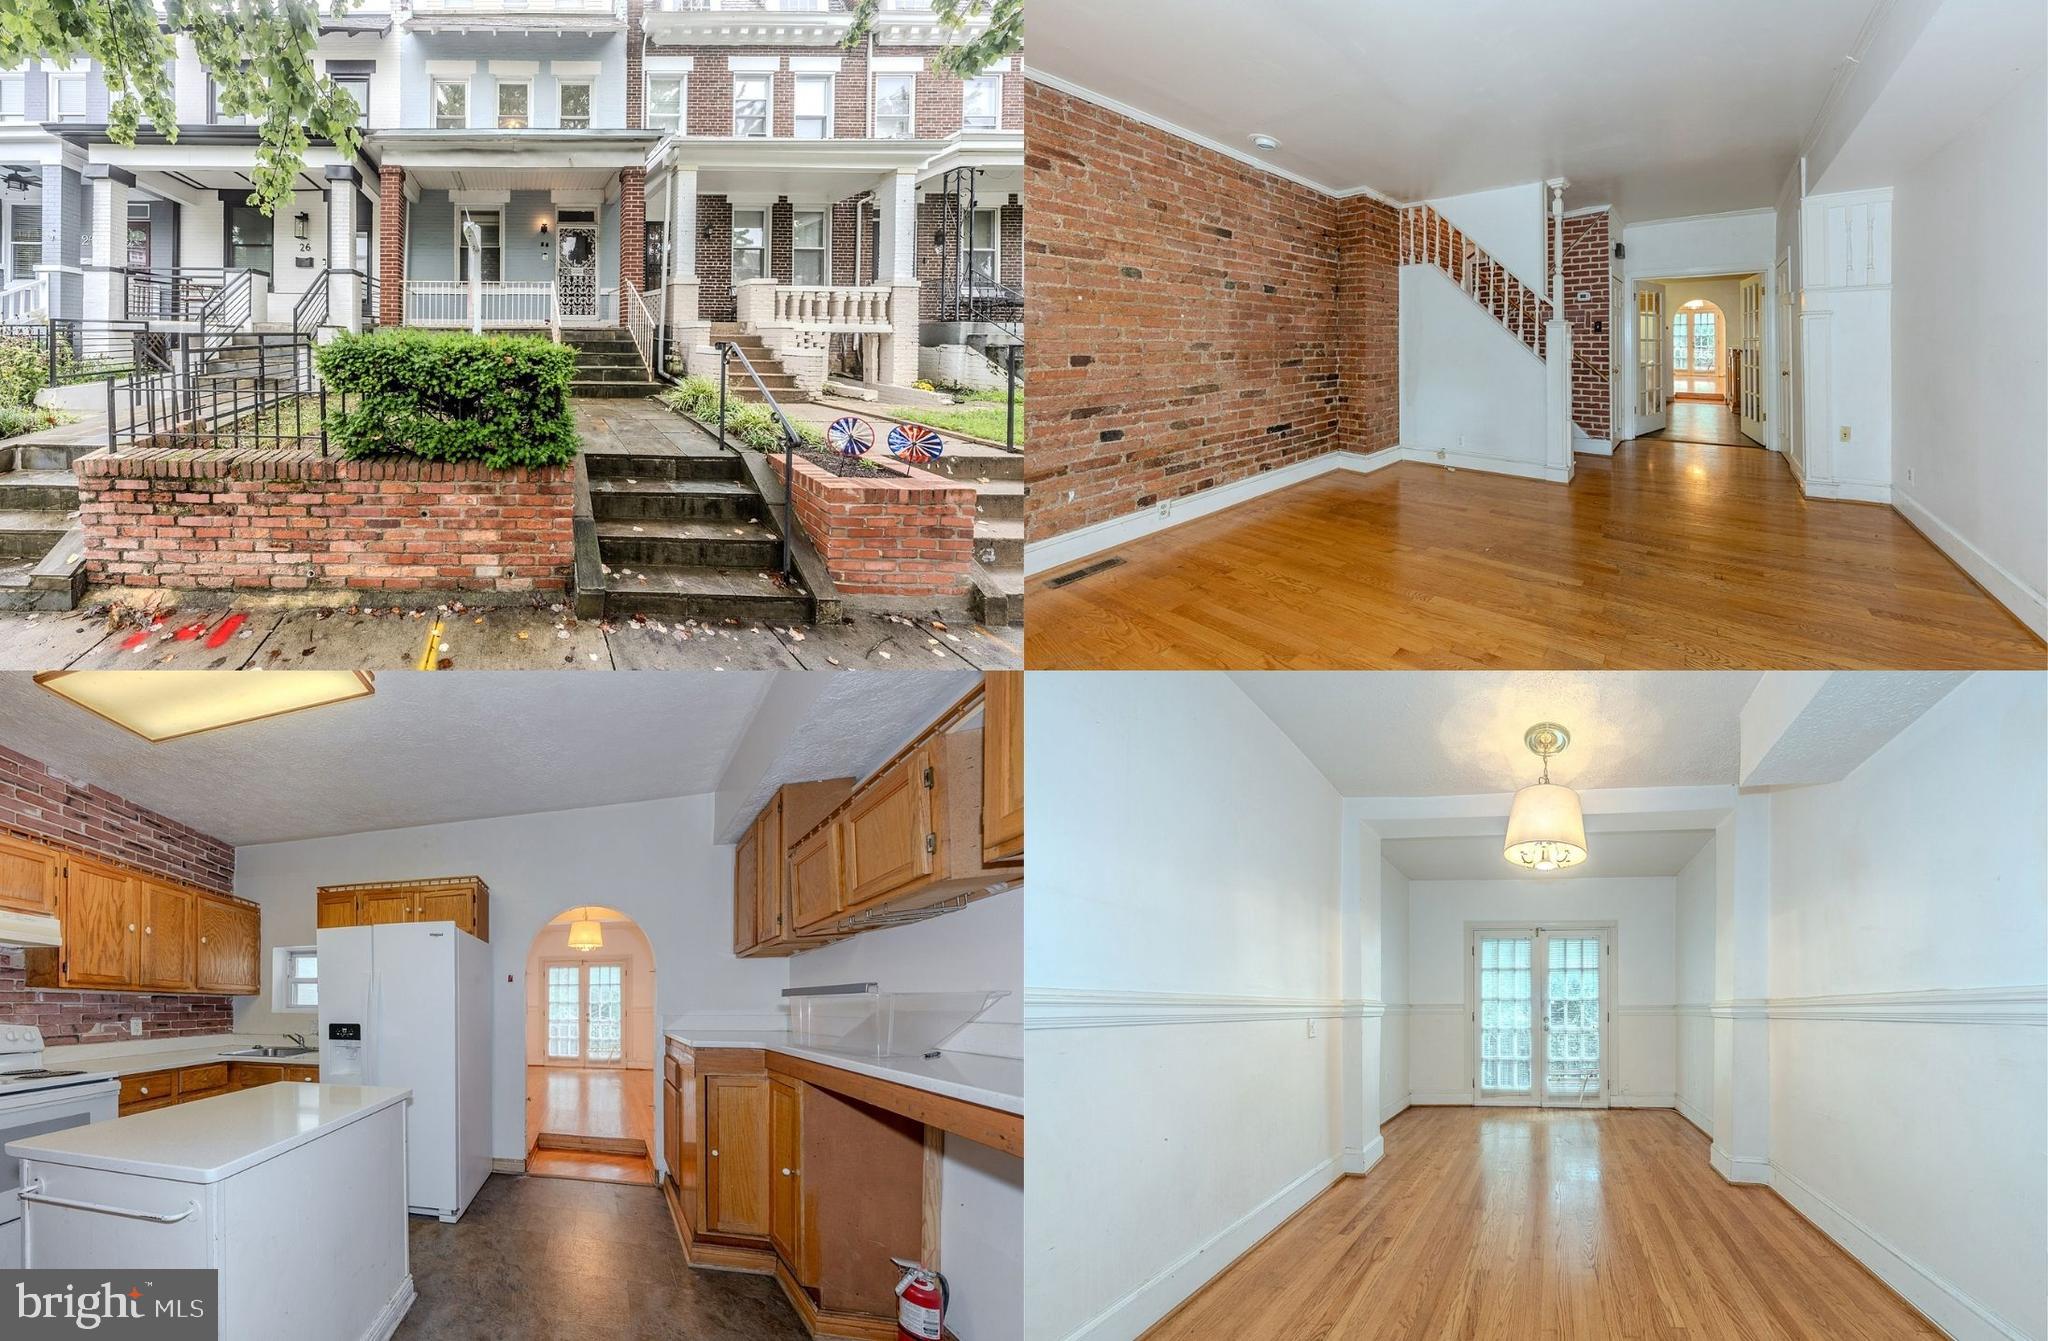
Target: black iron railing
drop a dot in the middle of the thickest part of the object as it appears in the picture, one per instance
(76, 351)
(727, 352)
(258, 392)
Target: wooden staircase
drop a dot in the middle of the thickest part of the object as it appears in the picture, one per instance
(1427, 238)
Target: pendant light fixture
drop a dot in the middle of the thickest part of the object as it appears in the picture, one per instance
(584, 933)
(1546, 828)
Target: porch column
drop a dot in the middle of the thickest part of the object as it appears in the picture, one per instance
(391, 246)
(632, 234)
(681, 297)
(105, 287)
(63, 222)
(344, 289)
(896, 267)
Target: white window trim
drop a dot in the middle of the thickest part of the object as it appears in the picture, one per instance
(875, 102)
(281, 980)
(682, 78)
(825, 213)
(831, 103)
(433, 101)
(486, 202)
(498, 102)
(767, 247)
(965, 84)
(67, 80)
(18, 79)
(769, 127)
(563, 82)
(995, 247)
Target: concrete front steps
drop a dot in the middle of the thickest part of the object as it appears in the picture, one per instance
(687, 537)
(780, 384)
(42, 546)
(607, 363)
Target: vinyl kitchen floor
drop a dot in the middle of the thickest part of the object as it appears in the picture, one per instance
(548, 1259)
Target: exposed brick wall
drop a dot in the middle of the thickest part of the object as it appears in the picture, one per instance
(35, 803)
(1184, 309)
(1369, 324)
(887, 536)
(1586, 252)
(224, 520)
(390, 246)
(632, 232)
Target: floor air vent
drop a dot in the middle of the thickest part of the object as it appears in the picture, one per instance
(1069, 579)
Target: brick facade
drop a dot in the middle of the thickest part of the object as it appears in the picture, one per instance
(36, 803)
(632, 233)
(289, 521)
(1586, 269)
(887, 536)
(1186, 310)
(390, 246)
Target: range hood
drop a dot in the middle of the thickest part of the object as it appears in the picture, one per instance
(28, 929)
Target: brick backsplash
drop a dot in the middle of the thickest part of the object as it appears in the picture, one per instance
(36, 803)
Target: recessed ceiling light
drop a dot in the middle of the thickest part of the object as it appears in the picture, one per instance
(164, 705)
(1264, 142)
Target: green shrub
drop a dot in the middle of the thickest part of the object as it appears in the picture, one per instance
(18, 419)
(450, 396)
(23, 370)
(745, 421)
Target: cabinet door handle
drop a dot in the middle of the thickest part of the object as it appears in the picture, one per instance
(785, 1173)
(131, 926)
(145, 1091)
(714, 1154)
(202, 940)
(149, 931)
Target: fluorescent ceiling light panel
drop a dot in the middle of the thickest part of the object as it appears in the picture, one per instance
(165, 705)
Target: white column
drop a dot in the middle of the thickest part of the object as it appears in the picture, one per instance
(681, 287)
(108, 210)
(896, 203)
(1557, 337)
(344, 291)
(1741, 1151)
(1359, 1030)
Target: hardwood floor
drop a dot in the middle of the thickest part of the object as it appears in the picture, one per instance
(610, 1110)
(1523, 1223)
(1704, 421)
(590, 1166)
(1665, 555)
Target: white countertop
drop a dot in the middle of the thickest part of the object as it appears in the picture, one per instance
(993, 1082)
(103, 1058)
(207, 1140)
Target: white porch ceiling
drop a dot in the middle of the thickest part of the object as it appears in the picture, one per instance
(511, 179)
(1608, 855)
(1657, 109)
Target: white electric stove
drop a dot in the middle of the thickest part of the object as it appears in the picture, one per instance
(34, 1099)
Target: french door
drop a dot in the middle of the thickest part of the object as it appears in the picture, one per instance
(1750, 399)
(586, 1011)
(1649, 408)
(1540, 1015)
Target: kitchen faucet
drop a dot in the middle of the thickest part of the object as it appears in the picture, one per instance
(299, 1039)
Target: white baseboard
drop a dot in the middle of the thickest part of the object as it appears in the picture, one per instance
(1739, 1168)
(1593, 446)
(2007, 587)
(1043, 555)
(1921, 1286)
(1703, 1121)
(1355, 1162)
(1394, 1109)
(393, 1312)
(1130, 1316)
(1492, 465)
(1439, 1098)
(1847, 490)
(1642, 1101)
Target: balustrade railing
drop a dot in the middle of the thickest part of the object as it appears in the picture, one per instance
(502, 304)
(646, 332)
(1427, 238)
(831, 307)
(25, 300)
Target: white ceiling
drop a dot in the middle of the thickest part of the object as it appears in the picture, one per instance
(1661, 110)
(1477, 857)
(424, 749)
(1419, 733)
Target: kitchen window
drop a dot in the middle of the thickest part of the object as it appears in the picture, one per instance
(515, 104)
(750, 101)
(814, 107)
(665, 102)
(895, 106)
(811, 250)
(575, 106)
(749, 245)
(451, 104)
(490, 253)
(67, 97)
(981, 103)
(298, 977)
(24, 241)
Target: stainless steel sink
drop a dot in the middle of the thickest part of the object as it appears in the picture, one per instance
(270, 1052)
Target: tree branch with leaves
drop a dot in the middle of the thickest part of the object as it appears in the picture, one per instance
(1004, 35)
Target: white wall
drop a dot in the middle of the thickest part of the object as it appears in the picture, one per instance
(1695, 989)
(623, 944)
(653, 861)
(1469, 389)
(1922, 1145)
(1393, 990)
(1507, 224)
(1969, 273)
(1845, 318)
(1185, 867)
(1643, 1053)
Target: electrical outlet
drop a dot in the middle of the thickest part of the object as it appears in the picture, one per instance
(1311, 1027)
(1909, 474)
(1845, 433)
(135, 1026)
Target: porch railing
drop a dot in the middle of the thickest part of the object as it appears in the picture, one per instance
(831, 307)
(177, 295)
(501, 303)
(25, 299)
(645, 330)
(260, 393)
(76, 351)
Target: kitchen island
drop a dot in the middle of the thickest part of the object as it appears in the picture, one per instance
(295, 1193)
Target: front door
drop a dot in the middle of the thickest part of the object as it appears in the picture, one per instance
(585, 1013)
(1540, 1014)
(576, 265)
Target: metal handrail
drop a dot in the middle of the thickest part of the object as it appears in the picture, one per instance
(637, 317)
(728, 351)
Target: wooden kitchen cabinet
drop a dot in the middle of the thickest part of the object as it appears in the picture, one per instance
(463, 899)
(746, 890)
(30, 876)
(671, 1119)
(248, 1075)
(785, 1170)
(764, 919)
(169, 940)
(202, 1082)
(814, 877)
(101, 911)
(147, 1090)
(1002, 766)
(886, 838)
(736, 1155)
(230, 950)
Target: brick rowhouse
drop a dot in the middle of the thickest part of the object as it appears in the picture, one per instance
(36, 803)
(1198, 320)
(288, 521)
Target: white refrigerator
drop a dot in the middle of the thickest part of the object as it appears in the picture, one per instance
(408, 1005)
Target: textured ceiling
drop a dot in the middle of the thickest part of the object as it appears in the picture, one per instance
(1607, 854)
(1417, 733)
(424, 749)
(1417, 100)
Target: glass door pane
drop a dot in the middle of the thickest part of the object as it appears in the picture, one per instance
(604, 1013)
(1507, 1017)
(1572, 1018)
(565, 1039)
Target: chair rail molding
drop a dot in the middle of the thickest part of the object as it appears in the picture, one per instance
(2021, 1006)
(1105, 1008)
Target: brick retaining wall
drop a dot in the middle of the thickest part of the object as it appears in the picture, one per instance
(292, 520)
(887, 535)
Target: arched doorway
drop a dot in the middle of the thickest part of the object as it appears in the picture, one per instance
(1699, 351)
(590, 1048)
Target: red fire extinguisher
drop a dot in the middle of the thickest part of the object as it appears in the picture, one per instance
(920, 1303)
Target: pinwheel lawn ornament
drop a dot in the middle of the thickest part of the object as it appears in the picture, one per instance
(916, 444)
(851, 436)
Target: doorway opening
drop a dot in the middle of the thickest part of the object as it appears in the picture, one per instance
(1699, 374)
(590, 1049)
